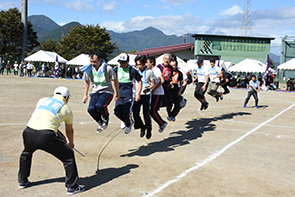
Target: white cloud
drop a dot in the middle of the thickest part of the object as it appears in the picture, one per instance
(42, 2)
(110, 6)
(145, 6)
(231, 11)
(4, 5)
(61, 23)
(79, 5)
(114, 26)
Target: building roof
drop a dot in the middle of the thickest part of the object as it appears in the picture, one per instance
(245, 37)
(166, 49)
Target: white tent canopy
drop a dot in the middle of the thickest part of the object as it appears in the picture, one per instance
(114, 61)
(289, 65)
(192, 64)
(45, 56)
(249, 65)
(228, 65)
(80, 60)
(181, 64)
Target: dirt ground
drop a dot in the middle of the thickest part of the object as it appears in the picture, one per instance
(226, 150)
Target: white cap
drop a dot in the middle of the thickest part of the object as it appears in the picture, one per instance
(61, 90)
(123, 58)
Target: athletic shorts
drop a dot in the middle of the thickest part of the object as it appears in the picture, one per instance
(199, 93)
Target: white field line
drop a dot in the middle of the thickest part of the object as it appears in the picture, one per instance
(215, 155)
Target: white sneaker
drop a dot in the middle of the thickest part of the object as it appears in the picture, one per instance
(162, 128)
(123, 125)
(128, 129)
(99, 128)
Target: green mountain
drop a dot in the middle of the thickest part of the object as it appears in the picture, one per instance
(42, 24)
(57, 33)
(147, 38)
(135, 40)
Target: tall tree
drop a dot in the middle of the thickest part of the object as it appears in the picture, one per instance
(49, 45)
(11, 31)
(83, 39)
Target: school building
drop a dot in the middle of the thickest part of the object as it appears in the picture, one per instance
(231, 48)
(287, 49)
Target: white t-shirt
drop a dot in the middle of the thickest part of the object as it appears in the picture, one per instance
(214, 72)
(15, 67)
(158, 73)
(202, 74)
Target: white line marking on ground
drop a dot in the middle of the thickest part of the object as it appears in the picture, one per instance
(11, 124)
(215, 155)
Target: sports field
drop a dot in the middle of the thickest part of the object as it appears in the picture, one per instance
(226, 150)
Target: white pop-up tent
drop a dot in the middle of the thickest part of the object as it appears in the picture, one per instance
(45, 56)
(80, 60)
(192, 64)
(249, 65)
(114, 61)
(287, 69)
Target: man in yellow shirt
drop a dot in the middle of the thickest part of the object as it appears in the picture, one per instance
(42, 133)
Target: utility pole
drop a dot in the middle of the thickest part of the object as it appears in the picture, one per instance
(184, 36)
(25, 27)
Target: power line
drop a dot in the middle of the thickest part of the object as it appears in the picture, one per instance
(246, 22)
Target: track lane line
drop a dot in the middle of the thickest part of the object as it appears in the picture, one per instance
(215, 155)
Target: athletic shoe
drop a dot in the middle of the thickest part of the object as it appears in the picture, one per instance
(128, 129)
(256, 107)
(202, 106)
(169, 118)
(123, 125)
(217, 98)
(99, 128)
(173, 119)
(221, 96)
(206, 105)
(78, 189)
(142, 131)
(148, 134)
(183, 103)
(244, 106)
(24, 185)
(162, 128)
(105, 123)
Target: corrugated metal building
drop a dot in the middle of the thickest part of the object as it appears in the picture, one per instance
(287, 49)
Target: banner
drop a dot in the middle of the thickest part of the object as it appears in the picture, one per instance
(56, 67)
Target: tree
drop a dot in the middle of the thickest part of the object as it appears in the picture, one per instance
(83, 39)
(49, 45)
(11, 33)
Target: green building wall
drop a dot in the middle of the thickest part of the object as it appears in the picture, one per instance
(231, 48)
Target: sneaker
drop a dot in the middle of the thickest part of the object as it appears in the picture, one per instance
(142, 131)
(128, 129)
(24, 185)
(202, 106)
(244, 106)
(183, 103)
(169, 118)
(221, 96)
(105, 123)
(206, 105)
(123, 125)
(173, 119)
(162, 128)
(148, 134)
(99, 128)
(217, 98)
(256, 107)
(75, 190)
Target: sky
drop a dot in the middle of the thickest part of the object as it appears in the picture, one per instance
(270, 18)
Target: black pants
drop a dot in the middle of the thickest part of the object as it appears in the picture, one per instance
(226, 91)
(155, 104)
(250, 93)
(176, 105)
(145, 103)
(123, 109)
(47, 141)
